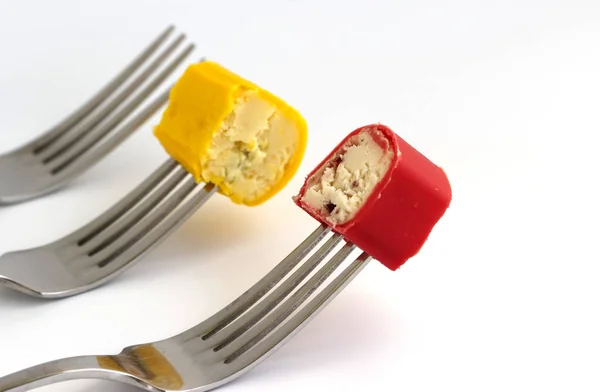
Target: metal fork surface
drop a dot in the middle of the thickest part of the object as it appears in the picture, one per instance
(111, 243)
(91, 132)
(228, 344)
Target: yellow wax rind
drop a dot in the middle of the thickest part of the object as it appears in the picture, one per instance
(201, 100)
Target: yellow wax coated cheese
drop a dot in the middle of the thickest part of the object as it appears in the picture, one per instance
(228, 131)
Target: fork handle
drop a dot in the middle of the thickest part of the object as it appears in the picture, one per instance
(54, 372)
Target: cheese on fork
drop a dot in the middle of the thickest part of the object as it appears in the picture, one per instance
(379, 193)
(345, 182)
(228, 131)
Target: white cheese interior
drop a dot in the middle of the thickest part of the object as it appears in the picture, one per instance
(342, 186)
(251, 151)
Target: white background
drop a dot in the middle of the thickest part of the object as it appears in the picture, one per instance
(504, 95)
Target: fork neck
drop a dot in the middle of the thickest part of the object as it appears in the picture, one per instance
(62, 370)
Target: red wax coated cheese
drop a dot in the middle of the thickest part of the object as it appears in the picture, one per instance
(379, 193)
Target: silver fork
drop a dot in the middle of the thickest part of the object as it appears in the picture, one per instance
(228, 344)
(111, 243)
(90, 133)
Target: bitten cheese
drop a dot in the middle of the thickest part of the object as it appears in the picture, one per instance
(379, 193)
(343, 186)
(228, 131)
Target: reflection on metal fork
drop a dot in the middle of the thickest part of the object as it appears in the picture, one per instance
(231, 342)
(111, 243)
(90, 133)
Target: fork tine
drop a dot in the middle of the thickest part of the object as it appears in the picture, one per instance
(136, 213)
(253, 355)
(51, 135)
(142, 227)
(84, 144)
(89, 231)
(65, 141)
(261, 329)
(99, 150)
(241, 325)
(232, 311)
(142, 243)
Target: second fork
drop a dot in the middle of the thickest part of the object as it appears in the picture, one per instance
(112, 242)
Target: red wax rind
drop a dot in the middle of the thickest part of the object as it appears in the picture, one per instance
(399, 215)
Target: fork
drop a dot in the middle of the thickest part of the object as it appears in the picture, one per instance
(87, 135)
(229, 343)
(112, 242)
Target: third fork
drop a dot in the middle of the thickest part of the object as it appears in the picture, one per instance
(231, 342)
